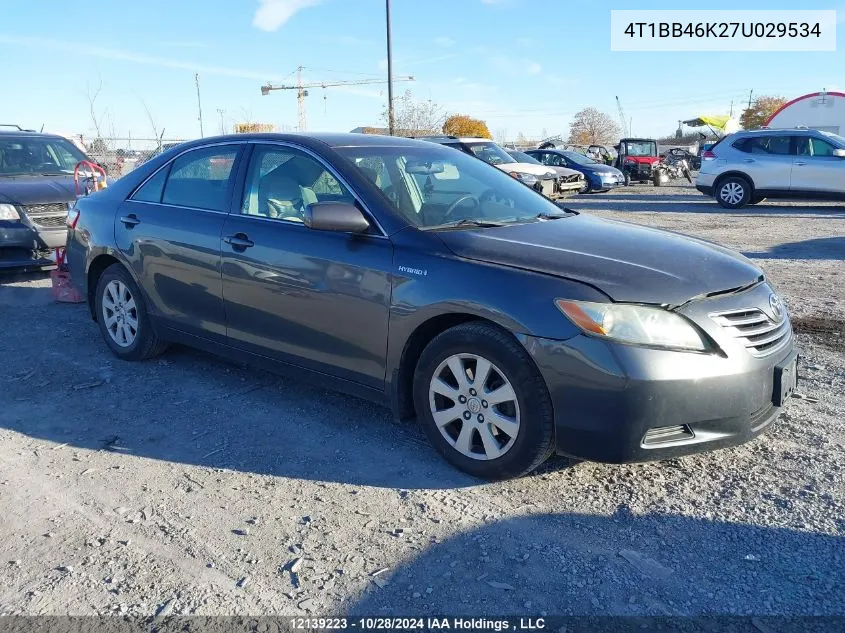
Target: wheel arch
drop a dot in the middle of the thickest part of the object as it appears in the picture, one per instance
(402, 382)
(98, 265)
(735, 173)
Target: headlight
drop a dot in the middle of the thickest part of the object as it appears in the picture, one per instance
(638, 325)
(528, 179)
(608, 175)
(9, 212)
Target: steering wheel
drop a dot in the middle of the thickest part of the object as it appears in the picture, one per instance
(460, 201)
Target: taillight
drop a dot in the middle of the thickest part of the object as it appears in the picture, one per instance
(72, 218)
(708, 155)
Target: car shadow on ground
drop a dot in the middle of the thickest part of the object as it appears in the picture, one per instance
(818, 248)
(16, 289)
(571, 564)
(191, 408)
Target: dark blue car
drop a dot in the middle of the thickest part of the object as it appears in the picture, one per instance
(599, 177)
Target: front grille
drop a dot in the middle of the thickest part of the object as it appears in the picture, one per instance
(760, 334)
(50, 222)
(48, 216)
(55, 208)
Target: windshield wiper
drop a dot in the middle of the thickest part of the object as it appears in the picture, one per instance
(465, 222)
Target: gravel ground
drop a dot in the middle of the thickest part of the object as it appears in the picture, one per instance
(195, 486)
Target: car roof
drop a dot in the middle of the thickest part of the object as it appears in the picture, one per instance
(331, 139)
(27, 134)
(790, 130)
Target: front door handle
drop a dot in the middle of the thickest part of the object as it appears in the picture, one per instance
(130, 220)
(239, 240)
(799, 163)
(748, 160)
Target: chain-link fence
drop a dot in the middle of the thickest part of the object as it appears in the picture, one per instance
(120, 155)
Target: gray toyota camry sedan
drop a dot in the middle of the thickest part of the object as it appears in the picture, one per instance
(422, 278)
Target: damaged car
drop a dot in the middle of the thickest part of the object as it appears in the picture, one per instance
(36, 191)
(569, 181)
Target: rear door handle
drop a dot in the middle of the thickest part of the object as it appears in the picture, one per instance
(239, 240)
(130, 220)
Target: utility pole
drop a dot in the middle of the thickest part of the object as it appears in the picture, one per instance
(750, 94)
(732, 108)
(199, 102)
(221, 112)
(391, 120)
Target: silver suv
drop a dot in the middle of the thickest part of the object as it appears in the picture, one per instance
(748, 167)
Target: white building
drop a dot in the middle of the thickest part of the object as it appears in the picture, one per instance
(818, 111)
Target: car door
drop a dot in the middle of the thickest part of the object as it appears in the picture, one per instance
(317, 299)
(815, 168)
(169, 233)
(767, 159)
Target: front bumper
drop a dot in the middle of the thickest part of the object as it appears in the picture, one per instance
(611, 410)
(619, 403)
(23, 246)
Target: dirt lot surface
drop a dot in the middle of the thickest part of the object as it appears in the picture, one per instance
(190, 485)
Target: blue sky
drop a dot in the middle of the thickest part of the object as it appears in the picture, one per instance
(522, 65)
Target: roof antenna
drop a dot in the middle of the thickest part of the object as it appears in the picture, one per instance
(42, 128)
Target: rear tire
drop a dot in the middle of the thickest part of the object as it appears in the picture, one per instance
(733, 192)
(123, 318)
(493, 376)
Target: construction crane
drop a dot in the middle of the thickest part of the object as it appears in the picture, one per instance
(302, 89)
(626, 131)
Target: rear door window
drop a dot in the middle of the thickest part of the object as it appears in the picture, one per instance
(766, 145)
(200, 178)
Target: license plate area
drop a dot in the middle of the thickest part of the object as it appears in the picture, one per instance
(786, 379)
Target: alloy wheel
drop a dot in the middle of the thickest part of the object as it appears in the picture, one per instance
(474, 406)
(732, 192)
(120, 313)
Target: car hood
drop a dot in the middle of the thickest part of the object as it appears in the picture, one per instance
(526, 168)
(600, 169)
(24, 190)
(565, 171)
(627, 262)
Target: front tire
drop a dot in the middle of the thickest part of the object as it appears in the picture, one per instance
(734, 192)
(482, 402)
(123, 318)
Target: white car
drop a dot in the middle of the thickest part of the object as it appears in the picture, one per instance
(539, 177)
(748, 167)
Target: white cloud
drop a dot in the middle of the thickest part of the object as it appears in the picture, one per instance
(271, 14)
(79, 48)
(444, 41)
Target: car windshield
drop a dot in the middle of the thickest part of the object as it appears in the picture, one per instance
(25, 155)
(490, 153)
(641, 148)
(438, 187)
(522, 157)
(579, 159)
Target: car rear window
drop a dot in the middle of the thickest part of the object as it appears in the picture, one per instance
(771, 145)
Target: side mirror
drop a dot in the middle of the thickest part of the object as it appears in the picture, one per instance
(340, 217)
(839, 153)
